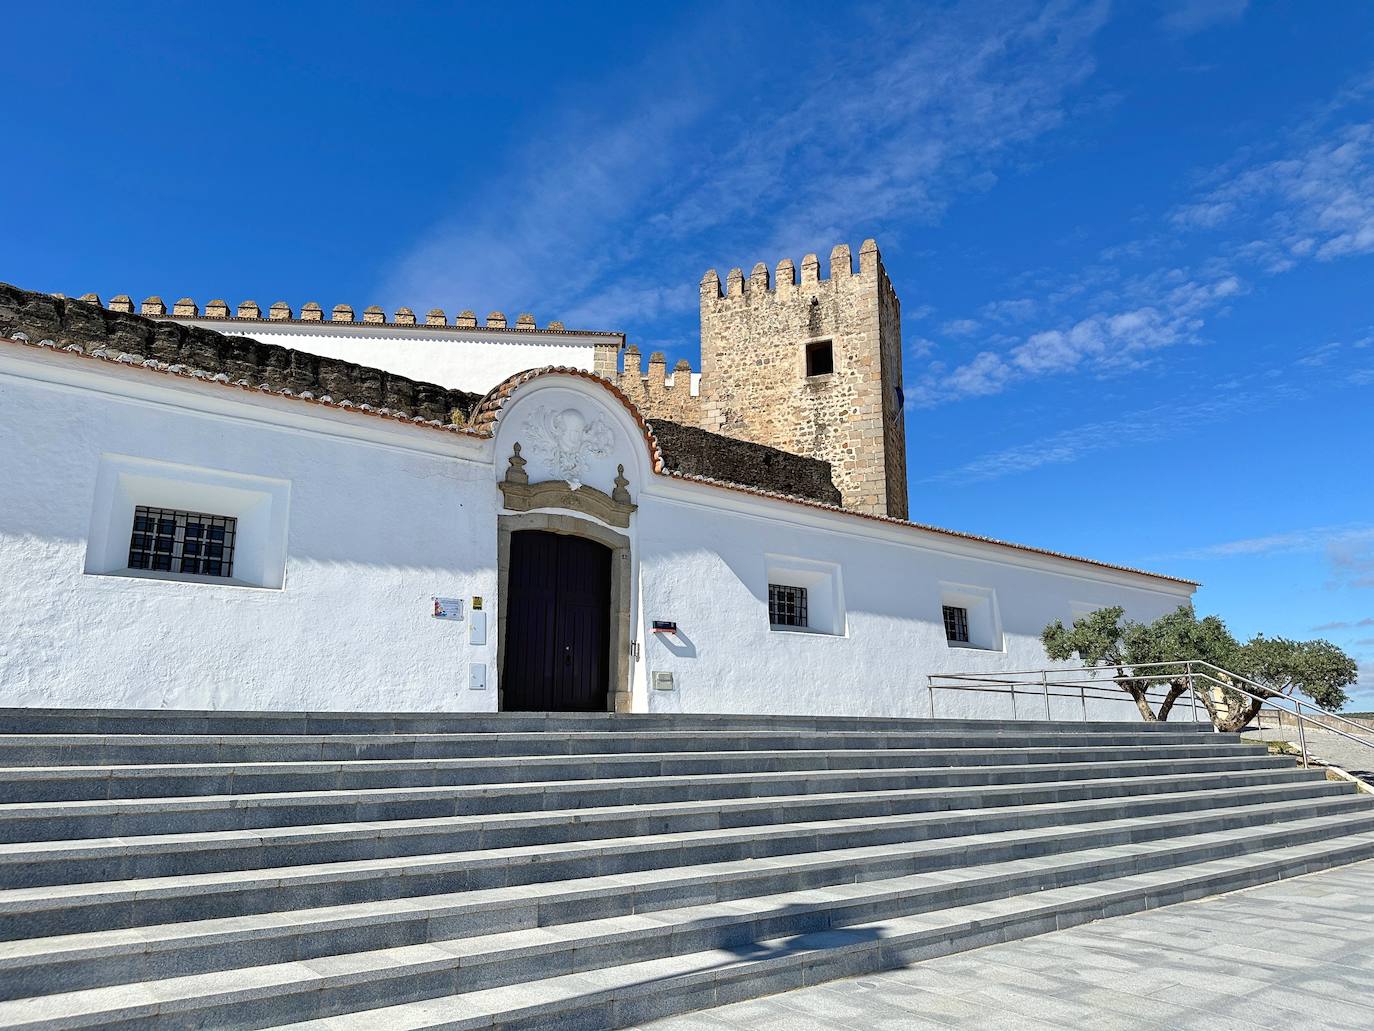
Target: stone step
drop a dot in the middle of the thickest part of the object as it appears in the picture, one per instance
(39, 966)
(78, 862)
(211, 722)
(125, 749)
(53, 821)
(117, 905)
(895, 916)
(73, 783)
(635, 992)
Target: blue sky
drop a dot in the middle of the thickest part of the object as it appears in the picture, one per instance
(1134, 243)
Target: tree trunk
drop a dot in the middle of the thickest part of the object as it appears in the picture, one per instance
(1176, 689)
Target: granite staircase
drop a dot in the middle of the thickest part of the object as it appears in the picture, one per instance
(385, 872)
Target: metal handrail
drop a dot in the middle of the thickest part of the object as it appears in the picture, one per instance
(1196, 671)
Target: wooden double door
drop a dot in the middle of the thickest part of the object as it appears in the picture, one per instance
(558, 624)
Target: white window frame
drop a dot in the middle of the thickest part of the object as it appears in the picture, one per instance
(259, 504)
(825, 611)
(984, 617)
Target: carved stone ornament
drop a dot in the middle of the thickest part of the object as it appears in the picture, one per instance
(567, 440)
(520, 495)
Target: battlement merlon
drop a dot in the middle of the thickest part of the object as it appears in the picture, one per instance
(219, 310)
(784, 279)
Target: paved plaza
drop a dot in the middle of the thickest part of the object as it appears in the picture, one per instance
(1295, 954)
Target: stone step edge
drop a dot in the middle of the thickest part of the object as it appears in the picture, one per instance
(164, 998)
(262, 767)
(26, 853)
(627, 995)
(37, 952)
(95, 808)
(17, 901)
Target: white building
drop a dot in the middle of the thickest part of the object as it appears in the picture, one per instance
(172, 534)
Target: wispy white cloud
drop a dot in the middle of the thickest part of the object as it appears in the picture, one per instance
(1146, 425)
(1346, 624)
(605, 214)
(1185, 17)
(1316, 538)
(960, 327)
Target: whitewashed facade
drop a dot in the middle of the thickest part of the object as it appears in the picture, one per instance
(352, 524)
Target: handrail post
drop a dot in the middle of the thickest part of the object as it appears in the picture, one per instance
(1083, 697)
(930, 686)
(1192, 689)
(1302, 739)
(1045, 683)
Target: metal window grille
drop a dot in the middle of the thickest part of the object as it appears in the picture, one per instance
(956, 623)
(170, 541)
(786, 605)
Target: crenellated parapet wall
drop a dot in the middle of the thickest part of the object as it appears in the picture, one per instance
(313, 311)
(811, 364)
(656, 392)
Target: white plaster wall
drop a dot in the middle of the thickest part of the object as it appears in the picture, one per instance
(703, 556)
(381, 517)
(474, 360)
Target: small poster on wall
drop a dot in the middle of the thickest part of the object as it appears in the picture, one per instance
(448, 608)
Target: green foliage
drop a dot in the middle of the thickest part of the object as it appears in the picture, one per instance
(1276, 664)
(1317, 668)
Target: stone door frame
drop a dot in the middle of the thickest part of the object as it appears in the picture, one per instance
(618, 664)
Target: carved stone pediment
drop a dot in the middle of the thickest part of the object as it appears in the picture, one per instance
(520, 495)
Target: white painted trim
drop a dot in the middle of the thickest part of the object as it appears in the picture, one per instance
(774, 510)
(134, 385)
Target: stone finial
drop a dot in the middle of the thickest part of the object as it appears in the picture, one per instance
(524, 321)
(496, 320)
(122, 302)
(467, 319)
(373, 314)
(217, 309)
(658, 358)
(786, 274)
(436, 317)
(841, 263)
(152, 306)
(555, 327)
(312, 312)
(758, 278)
(620, 493)
(710, 284)
(185, 306)
(90, 298)
(515, 467)
(811, 269)
(249, 310)
(734, 283)
(404, 316)
(869, 258)
(279, 312)
(341, 313)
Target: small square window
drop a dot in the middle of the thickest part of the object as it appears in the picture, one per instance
(820, 358)
(169, 541)
(956, 624)
(787, 605)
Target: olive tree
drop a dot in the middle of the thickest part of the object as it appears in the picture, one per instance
(1274, 666)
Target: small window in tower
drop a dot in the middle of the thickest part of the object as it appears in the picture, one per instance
(820, 358)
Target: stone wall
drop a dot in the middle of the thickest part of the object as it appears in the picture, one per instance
(754, 382)
(687, 449)
(91, 327)
(652, 392)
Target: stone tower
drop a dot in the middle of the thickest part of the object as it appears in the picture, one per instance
(814, 368)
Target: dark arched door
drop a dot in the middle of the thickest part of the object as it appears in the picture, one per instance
(558, 624)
